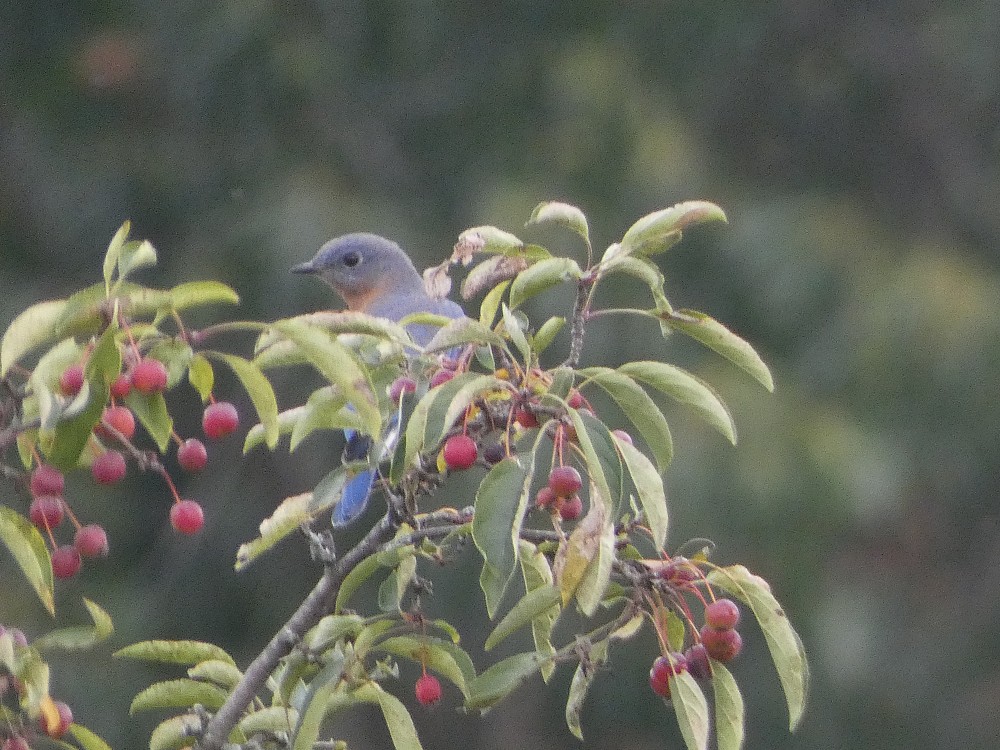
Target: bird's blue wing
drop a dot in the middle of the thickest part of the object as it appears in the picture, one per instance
(359, 487)
(355, 499)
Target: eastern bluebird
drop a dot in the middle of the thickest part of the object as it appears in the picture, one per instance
(373, 275)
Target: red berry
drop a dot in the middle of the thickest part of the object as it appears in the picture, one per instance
(545, 497)
(565, 481)
(109, 467)
(525, 417)
(575, 399)
(721, 645)
(46, 511)
(441, 376)
(662, 670)
(91, 541)
(697, 661)
(16, 743)
(220, 419)
(400, 386)
(187, 517)
(428, 690)
(71, 380)
(623, 436)
(47, 480)
(149, 376)
(65, 719)
(722, 614)
(119, 417)
(192, 455)
(65, 561)
(460, 452)
(571, 508)
(122, 386)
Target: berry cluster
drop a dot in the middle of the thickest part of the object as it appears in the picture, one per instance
(561, 494)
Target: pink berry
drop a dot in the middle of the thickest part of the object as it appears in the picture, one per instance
(545, 497)
(428, 690)
(65, 561)
(697, 661)
(46, 511)
(109, 467)
(71, 380)
(220, 419)
(122, 386)
(47, 480)
(400, 386)
(623, 436)
(91, 541)
(565, 481)
(65, 719)
(721, 645)
(571, 508)
(118, 417)
(575, 399)
(187, 517)
(662, 670)
(149, 376)
(440, 377)
(16, 743)
(525, 417)
(192, 455)
(722, 614)
(460, 452)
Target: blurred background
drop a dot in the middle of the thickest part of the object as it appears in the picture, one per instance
(855, 149)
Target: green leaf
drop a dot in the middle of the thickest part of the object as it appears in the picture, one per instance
(175, 733)
(640, 268)
(529, 608)
(151, 411)
(515, 330)
(185, 653)
(786, 647)
(438, 655)
(594, 536)
(365, 570)
(197, 293)
(491, 303)
(201, 376)
(114, 252)
(29, 550)
(501, 679)
(135, 255)
(287, 420)
(269, 720)
(178, 694)
(537, 573)
(676, 630)
(582, 678)
(217, 671)
(332, 628)
(729, 719)
(488, 239)
(326, 409)
(397, 718)
(541, 276)
(604, 465)
(29, 330)
(79, 637)
(650, 233)
(87, 739)
(687, 389)
(563, 214)
(649, 486)
(316, 702)
(393, 588)
(720, 339)
(545, 335)
(691, 709)
(338, 365)
(258, 387)
(501, 502)
(638, 408)
(462, 331)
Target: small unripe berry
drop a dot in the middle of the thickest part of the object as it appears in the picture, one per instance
(121, 386)
(623, 436)
(119, 417)
(71, 380)
(47, 480)
(191, 455)
(575, 399)
(722, 614)
(16, 634)
(495, 453)
(565, 481)
(187, 517)
(545, 497)
(428, 690)
(401, 385)
(57, 730)
(149, 376)
(65, 561)
(721, 645)
(571, 508)
(46, 511)
(662, 670)
(697, 661)
(220, 419)
(109, 467)
(16, 743)
(441, 377)
(91, 541)
(460, 452)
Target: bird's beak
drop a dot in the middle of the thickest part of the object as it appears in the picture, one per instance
(306, 267)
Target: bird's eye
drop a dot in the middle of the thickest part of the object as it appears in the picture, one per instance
(352, 259)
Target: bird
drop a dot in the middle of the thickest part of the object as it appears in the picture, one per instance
(373, 275)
